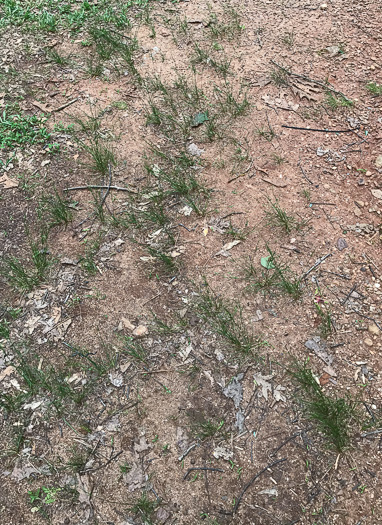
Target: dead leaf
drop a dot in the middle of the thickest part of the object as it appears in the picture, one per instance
(324, 379)
(304, 89)
(227, 247)
(135, 478)
(41, 106)
(319, 348)
(280, 102)
(262, 381)
(7, 372)
(6, 183)
(20, 473)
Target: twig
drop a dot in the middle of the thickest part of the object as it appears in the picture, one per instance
(285, 443)
(181, 458)
(323, 204)
(65, 105)
(348, 295)
(379, 431)
(105, 464)
(320, 261)
(151, 299)
(304, 174)
(230, 214)
(321, 130)
(201, 468)
(108, 188)
(254, 479)
(117, 188)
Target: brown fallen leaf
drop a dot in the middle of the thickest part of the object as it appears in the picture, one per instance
(6, 183)
(7, 372)
(41, 106)
(324, 379)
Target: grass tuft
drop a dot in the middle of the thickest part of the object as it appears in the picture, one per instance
(333, 416)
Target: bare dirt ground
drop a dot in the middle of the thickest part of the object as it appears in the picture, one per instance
(190, 233)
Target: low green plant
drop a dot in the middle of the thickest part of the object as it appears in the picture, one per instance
(45, 495)
(334, 416)
(55, 209)
(135, 350)
(144, 507)
(206, 428)
(20, 130)
(279, 218)
(337, 101)
(374, 89)
(227, 321)
(26, 276)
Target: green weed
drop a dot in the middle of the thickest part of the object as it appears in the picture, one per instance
(227, 321)
(374, 89)
(333, 416)
(17, 130)
(144, 508)
(279, 218)
(206, 428)
(26, 277)
(55, 209)
(337, 101)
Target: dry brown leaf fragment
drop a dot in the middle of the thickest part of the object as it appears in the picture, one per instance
(6, 183)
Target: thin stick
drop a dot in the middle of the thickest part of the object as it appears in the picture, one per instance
(117, 188)
(290, 438)
(201, 468)
(254, 479)
(181, 458)
(315, 265)
(348, 295)
(65, 105)
(304, 174)
(321, 130)
(151, 299)
(323, 204)
(105, 464)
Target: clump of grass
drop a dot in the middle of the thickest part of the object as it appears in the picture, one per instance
(55, 57)
(235, 105)
(374, 89)
(276, 276)
(144, 508)
(55, 209)
(227, 321)
(202, 56)
(230, 29)
(88, 260)
(280, 77)
(267, 134)
(17, 129)
(206, 428)
(325, 315)
(333, 416)
(288, 39)
(23, 276)
(335, 102)
(279, 218)
(135, 350)
(238, 233)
